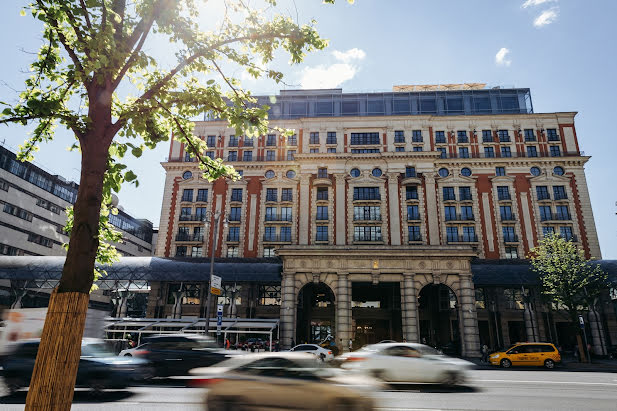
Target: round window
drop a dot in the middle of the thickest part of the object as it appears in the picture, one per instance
(535, 171)
(443, 172)
(558, 171)
(187, 175)
(377, 172)
(354, 172)
(269, 174)
(465, 171)
(291, 174)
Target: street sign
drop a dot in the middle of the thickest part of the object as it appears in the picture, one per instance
(581, 322)
(215, 285)
(219, 309)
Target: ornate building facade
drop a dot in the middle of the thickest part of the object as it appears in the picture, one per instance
(379, 203)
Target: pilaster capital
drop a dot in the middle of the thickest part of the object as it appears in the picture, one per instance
(429, 178)
(304, 178)
(340, 178)
(393, 177)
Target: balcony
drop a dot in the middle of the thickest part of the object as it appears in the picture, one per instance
(190, 237)
(273, 238)
(202, 199)
(233, 238)
(399, 140)
(366, 218)
(322, 196)
(504, 197)
(330, 141)
(367, 238)
(271, 198)
(321, 238)
(278, 218)
(411, 195)
(187, 199)
(439, 140)
(512, 238)
(460, 217)
(236, 198)
(362, 197)
(189, 217)
(462, 239)
(286, 198)
(560, 196)
(413, 216)
(322, 217)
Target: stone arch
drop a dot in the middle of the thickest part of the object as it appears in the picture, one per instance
(315, 312)
(439, 315)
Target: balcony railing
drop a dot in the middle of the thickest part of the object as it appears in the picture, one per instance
(561, 197)
(321, 217)
(562, 217)
(189, 237)
(546, 217)
(512, 238)
(364, 217)
(367, 238)
(233, 238)
(286, 198)
(415, 237)
(398, 140)
(504, 197)
(274, 238)
(202, 199)
(322, 196)
(460, 217)
(466, 197)
(363, 197)
(449, 197)
(272, 198)
(320, 237)
(521, 154)
(543, 196)
(411, 195)
(237, 198)
(330, 141)
(440, 140)
(508, 217)
(189, 217)
(462, 239)
(278, 217)
(235, 218)
(413, 216)
(187, 199)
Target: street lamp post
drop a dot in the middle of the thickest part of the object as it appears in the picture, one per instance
(217, 216)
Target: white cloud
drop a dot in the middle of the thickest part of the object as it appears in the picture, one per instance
(500, 57)
(333, 75)
(546, 17)
(347, 56)
(532, 3)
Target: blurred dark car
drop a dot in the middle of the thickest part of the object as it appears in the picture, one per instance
(99, 368)
(174, 354)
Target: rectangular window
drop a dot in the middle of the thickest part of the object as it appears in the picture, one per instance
(440, 137)
(270, 233)
(542, 192)
(399, 149)
(500, 171)
(467, 213)
(211, 141)
(233, 234)
(413, 232)
(506, 213)
(187, 157)
(410, 172)
(292, 140)
(269, 294)
(511, 253)
(364, 150)
(358, 139)
(450, 213)
(367, 213)
(285, 213)
(506, 152)
(363, 233)
(448, 194)
(270, 155)
(417, 148)
(562, 213)
(187, 194)
(233, 251)
(464, 193)
(17, 212)
(236, 194)
(314, 137)
(399, 136)
(508, 234)
(513, 298)
(247, 156)
(286, 234)
(196, 251)
(487, 136)
(331, 150)
(532, 151)
(442, 152)
(291, 155)
(504, 136)
(232, 156)
(287, 194)
(452, 234)
(546, 213)
(462, 136)
(331, 137)
(233, 141)
(271, 214)
(322, 173)
(366, 193)
(552, 135)
(416, 136)
(202, 195)
(547, 231)
(480, 298)
(271, 140)
(269, 252)
(555, 151)
(503, 193)
(559, 192)
(235, 213)
(40, 180)
(322, 193)
(271, 194)
(4, 185)
(413, 212)
(322, 233)
(181, 251)
(186, 211)
(566, 233)
(313, 150)
(411, 193)
(248, 141)
(322, 213)
(65, 193)
(463, 152)
(469, 235)
(530, 135)
(40, 240)
(200, 213)
(210, 154)
(489, 152)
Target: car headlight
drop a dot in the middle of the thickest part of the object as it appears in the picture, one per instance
(495, 356)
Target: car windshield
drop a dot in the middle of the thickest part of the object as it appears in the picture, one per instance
(96, 350)
(426, 350)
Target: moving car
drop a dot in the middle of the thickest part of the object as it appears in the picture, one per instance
(324, 354)
(176, 354)
(135, 351)
(99, 368)
(527, 354)
(407, 363)
(283, 380)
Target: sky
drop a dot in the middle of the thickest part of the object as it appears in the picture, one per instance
(563, 50)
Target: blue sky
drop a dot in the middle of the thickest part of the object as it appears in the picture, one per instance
(563, 50)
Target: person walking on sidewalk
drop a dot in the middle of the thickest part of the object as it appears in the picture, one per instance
(484, 353)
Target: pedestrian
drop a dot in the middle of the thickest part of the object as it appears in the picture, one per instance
(484, 353)
(293, 343)
(350, 344)
(227, 343)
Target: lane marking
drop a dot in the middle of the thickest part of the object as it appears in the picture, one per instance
(549, 382)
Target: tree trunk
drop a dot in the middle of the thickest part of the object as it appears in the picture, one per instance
(55, 370)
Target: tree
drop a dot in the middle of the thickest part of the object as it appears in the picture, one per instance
(568, 279)
(95, 76)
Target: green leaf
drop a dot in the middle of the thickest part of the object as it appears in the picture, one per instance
(130, 176)
(137, 152)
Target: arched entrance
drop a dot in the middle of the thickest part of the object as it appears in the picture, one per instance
(439, 320)
(316, 310)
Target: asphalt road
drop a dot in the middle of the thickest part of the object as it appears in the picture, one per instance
(489, 390)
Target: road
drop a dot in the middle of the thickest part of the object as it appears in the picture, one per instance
(489, 390)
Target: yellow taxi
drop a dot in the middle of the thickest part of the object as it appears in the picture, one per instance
(527, 354)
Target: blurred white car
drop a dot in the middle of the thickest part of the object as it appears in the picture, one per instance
(283, 380)
(135, 351)
(323, 354)
(407, 363)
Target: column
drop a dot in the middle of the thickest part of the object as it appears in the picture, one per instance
(395, 209)
(343, 311)
(410, 308)
(431, 210)
(598, 340)
(468, 317)
(531, 323)
(304, 209)
(288, 309)
(340, 207)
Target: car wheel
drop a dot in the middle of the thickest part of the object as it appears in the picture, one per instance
(97, 387)
(550, 364)
(322, 357)
(379, 374)
(505, 363)
(451, 378)
(128, 354)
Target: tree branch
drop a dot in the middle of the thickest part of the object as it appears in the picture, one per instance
(84, 9)
(133, 55)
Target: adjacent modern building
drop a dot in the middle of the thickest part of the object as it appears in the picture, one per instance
(379, 204)
(32, 217)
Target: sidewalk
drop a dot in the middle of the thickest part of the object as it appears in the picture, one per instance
(597, 365)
